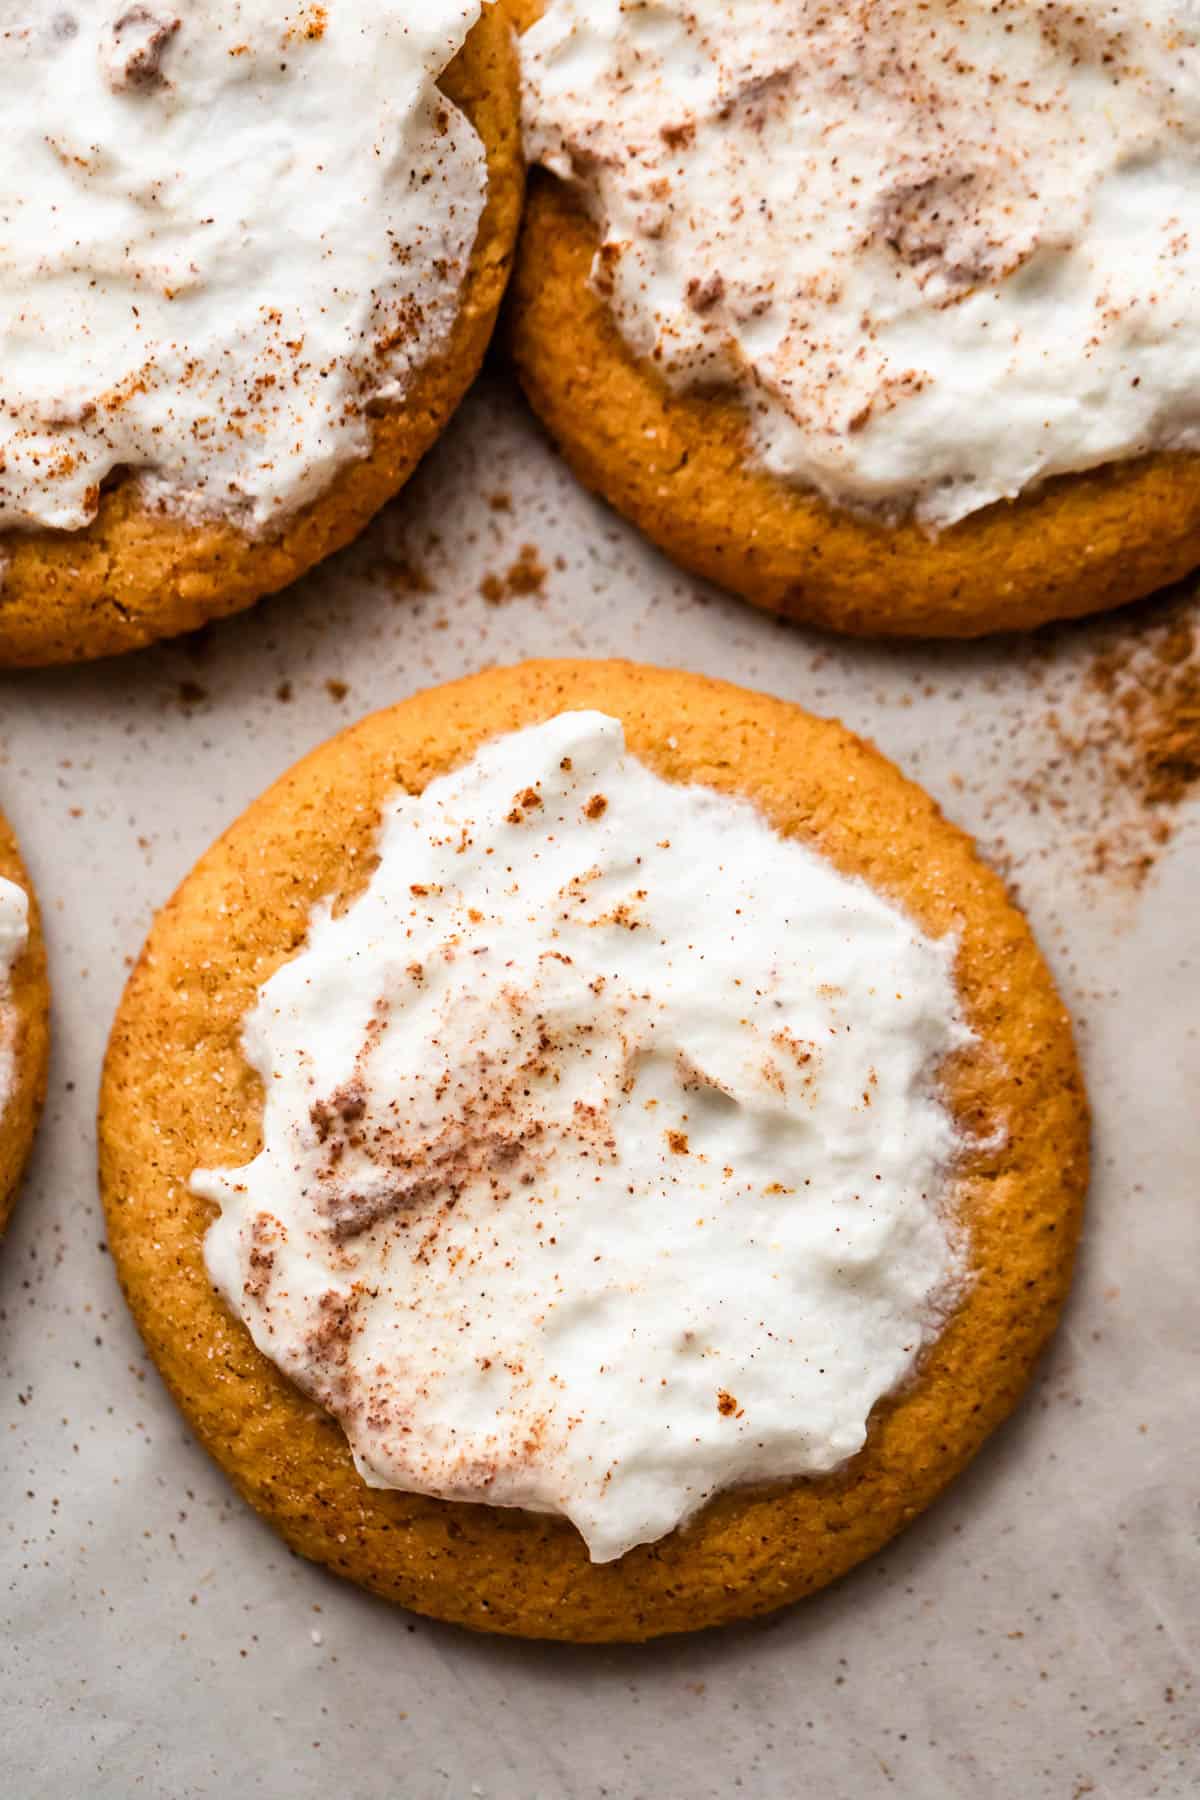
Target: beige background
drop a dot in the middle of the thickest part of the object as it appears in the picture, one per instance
(1035, 1635)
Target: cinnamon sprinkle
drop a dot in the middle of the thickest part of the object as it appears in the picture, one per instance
(526, 576)
(1126, 734)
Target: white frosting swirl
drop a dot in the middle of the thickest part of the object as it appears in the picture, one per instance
(604, 1164)
(941, 252)
(227, 227)
(14, 935)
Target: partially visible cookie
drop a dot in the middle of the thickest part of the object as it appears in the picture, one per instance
(712, 420)
(24, 1019)
(179, 1096)
(167, 548)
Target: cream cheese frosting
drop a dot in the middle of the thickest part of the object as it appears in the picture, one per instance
(604, 1163)
(14, 935)
(941, 253)
(228, 229)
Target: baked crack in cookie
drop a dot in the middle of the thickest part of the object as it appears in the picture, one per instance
(885, 316)
(252, 259)
(593, 1152)
(24, 1019)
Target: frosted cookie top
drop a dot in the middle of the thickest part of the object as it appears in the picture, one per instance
(940, 252)
(14, 935)
(604, 1163)
(227, 227)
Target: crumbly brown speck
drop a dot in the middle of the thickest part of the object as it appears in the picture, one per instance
(526, 802)
(524, 576)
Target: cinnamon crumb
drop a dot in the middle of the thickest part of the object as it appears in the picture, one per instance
(527, 801)
(527, 575)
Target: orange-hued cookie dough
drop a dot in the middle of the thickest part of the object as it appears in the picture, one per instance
(25, 1017)
(135, 575)
(681, 467)
(178, 1095)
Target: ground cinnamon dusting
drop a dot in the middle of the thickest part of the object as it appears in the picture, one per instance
(1132, 734)
(402, 573)
(1158, 697)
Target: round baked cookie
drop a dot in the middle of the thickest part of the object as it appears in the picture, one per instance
(24, 1030)
(678, 461)
(139, 570)
(178, 1095)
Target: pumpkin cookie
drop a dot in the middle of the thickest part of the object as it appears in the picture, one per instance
(236, 344)
(592, 1152)
(890, 343)
(24, 1019)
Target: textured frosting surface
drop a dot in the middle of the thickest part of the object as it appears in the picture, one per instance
(941, 252)
(14, 935)
(227, 229)
(603, 1163)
